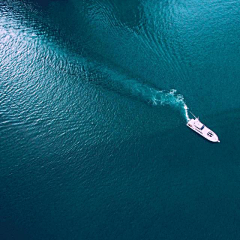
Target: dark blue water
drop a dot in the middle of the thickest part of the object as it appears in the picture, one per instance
(93, 98)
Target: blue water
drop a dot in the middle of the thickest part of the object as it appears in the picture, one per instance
(94, 99)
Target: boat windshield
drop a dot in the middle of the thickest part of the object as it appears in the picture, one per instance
(200, 126)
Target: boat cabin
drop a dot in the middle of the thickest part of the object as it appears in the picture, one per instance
(199, 125)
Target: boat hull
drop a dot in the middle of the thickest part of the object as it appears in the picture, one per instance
(204, 132)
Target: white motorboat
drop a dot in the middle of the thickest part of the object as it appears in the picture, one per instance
(201, 129)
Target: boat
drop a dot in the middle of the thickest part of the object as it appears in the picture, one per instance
(202, 130)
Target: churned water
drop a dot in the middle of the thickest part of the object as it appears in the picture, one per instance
(94, 99)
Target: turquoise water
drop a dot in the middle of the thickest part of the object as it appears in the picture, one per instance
(93, 98)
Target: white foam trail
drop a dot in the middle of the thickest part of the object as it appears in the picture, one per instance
(145, 92)
(186, 112)
(158, 97)
(121, 83)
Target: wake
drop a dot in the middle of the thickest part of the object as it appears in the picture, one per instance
(120, 83)
(143, 91)
(159, 97)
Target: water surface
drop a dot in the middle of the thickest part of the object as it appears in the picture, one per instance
(93, 142)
